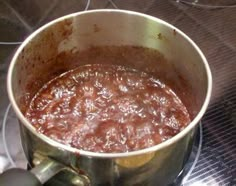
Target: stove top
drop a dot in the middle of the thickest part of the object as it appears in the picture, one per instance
(210, 23)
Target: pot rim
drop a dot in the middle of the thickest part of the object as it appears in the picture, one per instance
(157, 147)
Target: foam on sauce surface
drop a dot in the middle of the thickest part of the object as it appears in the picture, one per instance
(105, 108)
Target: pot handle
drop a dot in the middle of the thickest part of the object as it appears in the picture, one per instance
(35, 177)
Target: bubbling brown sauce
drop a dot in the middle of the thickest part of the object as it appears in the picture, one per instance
(107, 108)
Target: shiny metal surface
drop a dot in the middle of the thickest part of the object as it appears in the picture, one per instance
(12, 126)
(163, 161)
(46, 168)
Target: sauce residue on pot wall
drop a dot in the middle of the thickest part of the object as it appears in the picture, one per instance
(144, 59)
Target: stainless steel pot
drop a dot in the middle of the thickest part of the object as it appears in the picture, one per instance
(53, 49)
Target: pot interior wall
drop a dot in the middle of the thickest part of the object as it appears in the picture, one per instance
(111, 38)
